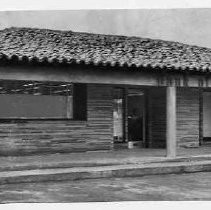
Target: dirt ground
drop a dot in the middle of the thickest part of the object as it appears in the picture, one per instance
(194, 186)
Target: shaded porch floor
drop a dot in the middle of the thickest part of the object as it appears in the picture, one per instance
(103, 158)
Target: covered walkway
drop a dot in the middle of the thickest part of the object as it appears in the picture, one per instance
(107, 158)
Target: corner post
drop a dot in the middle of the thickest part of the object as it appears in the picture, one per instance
(171, 122)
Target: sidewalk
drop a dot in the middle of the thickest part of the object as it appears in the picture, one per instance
(119, 157)
(136, 162)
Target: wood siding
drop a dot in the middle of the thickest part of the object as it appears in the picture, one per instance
(96, 133)
(188, 117)
(100, 117)
(157, 117)
(30, 137)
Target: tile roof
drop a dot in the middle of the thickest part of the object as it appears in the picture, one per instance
(97, 49)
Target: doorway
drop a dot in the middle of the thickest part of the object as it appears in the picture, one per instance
(136, 116)
(129, 116)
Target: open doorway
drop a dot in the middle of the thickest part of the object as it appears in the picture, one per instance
(136, 116)
(129, 117)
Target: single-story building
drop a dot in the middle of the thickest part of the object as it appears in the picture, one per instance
(64, 91)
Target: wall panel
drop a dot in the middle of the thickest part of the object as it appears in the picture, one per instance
(188, 117)
(51, 136)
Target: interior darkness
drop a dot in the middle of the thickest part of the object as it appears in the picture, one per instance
(135, 117)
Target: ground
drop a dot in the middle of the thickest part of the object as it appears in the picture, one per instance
(194, 186)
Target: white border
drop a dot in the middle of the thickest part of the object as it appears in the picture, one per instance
(100, 4)
(6, 5)
(158, 205)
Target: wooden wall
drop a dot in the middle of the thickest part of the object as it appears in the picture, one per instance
(30, 137)
(188, 117)
(96, 133)
(156, 117)
(100, 117)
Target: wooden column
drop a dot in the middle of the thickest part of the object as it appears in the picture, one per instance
(171, 121)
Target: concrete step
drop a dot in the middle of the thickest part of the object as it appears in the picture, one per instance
(56, 165)
(128, 170)
(34, 165)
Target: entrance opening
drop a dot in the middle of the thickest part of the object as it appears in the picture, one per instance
(135, 110)
(128, 117)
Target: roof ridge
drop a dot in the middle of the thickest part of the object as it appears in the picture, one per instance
(33, 28)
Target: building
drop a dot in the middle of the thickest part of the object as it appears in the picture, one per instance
(64, 91)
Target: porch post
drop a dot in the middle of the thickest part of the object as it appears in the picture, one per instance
(171, 121)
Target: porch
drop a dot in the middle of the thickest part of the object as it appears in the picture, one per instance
(102, 158)
(80, 118)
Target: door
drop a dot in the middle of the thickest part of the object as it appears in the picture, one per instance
(136, 115)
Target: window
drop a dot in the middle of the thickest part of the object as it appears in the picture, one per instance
(38, 100)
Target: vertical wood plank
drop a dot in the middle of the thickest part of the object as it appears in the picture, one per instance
(188, 117)
(156, 137)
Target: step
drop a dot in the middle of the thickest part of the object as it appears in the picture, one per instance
(78, 173)
(31, 165)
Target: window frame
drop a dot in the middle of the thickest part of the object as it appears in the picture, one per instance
(69, 112)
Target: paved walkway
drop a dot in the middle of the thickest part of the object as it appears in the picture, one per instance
(91, 165)
(182, 187)
(119, 157)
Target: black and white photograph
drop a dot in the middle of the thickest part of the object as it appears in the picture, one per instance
(105, 105)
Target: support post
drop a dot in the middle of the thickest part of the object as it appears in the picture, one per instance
(171, 122)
